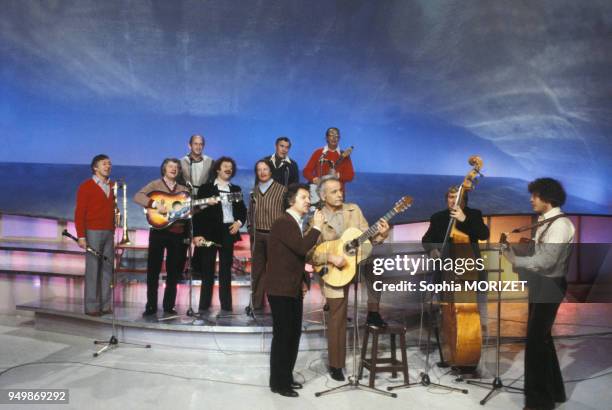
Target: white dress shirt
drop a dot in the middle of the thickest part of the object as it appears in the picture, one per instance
(226, 205)
(553, 247)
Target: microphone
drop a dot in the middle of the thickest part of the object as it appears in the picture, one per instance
(87, 247)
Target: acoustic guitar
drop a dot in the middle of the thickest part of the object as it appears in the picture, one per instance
(352, 240)
(179, 206)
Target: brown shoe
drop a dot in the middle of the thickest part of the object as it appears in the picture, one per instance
(95, 314)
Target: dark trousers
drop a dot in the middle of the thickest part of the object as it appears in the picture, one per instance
(258, 268)
(543, 379)
(208, 257)
(172, 243)
(286, 332)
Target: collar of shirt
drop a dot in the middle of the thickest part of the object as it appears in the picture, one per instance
(100, 181)
(170, 184)
(194, 160)
(222, 185)
(299, 219)
(105, 186)
(327, 149)
(553, 212)
(263, 186)
(273, 159)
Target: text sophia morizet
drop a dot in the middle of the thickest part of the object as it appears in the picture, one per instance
(412, 265)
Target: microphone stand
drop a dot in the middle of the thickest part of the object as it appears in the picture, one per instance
(353, 380)
(496, 384)
(249, 310)
(425, 380)
(113, 341)
(192, 194)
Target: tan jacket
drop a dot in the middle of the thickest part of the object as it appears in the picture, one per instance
(352, 218)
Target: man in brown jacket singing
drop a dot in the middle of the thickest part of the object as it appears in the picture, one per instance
(286, 283)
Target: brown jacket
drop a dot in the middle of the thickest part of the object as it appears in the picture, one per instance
(286, 257)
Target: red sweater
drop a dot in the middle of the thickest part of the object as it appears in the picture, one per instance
(94, 210)
(345, 167)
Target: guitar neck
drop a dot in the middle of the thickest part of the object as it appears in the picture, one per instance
(373, 230)
(232, 196)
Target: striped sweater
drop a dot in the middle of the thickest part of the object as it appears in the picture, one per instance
(264, 209)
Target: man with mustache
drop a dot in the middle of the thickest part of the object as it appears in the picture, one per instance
(218, 223)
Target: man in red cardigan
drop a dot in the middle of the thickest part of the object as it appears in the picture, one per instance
(94, 217)
(329, 160)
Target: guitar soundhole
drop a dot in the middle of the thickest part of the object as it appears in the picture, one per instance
(349, 250)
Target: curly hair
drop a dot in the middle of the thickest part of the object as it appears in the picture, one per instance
(221, 160)
(548, 190)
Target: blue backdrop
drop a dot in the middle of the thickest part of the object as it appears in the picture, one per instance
(415, 86)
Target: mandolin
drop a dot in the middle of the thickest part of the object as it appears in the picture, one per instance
(314, 195)
(346, 245)
(179, 205)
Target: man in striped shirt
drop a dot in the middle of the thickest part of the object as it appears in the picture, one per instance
(265, 206)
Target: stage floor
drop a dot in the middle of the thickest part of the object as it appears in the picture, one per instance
(170, 377)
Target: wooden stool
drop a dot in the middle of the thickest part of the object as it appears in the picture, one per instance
(389, 364)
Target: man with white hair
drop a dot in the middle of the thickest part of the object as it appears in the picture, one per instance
(340, 216)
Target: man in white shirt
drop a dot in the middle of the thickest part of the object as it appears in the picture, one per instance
(545, 270)
(195, 166)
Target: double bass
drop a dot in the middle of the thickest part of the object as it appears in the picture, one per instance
(460, 333)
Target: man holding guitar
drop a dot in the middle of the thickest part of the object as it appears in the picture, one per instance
(545, 271)
(339, 217)
(169, 238)
(329, 160)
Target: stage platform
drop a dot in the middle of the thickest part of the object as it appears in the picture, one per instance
(214, 329)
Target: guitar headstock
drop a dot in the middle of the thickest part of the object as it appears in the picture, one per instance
(404, 203)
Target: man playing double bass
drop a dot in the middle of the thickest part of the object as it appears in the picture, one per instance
(469, 222)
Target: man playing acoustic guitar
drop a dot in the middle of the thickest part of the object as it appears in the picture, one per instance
(340, 216)
(169, 239)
